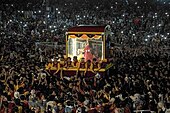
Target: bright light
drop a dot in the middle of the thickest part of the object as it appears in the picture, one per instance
(54, 26)
(156, 34)
(165, 38)
(133, 34)
(162, 35)
(167, 33)
(74, 47)
(148, 36)
(35, 12)
(166, 13)
(142, 16)
(58, 12)
(115, 2)
(113, 22)
(145, 2)
(50, 27)
(111, 7)
(22, 11)
(138, 7)
(44, 22)
(10, 20)
(153, 26)
(84, 16)
(56, 9)
(25, 25)
(48, 16)
(153, 16)
(21, 22)
(155, 13)
(52, 31)
(64, 26)
(164, 2)
(136, 2)
(146, 39)
(122, 32)
(97, 7)
(39, 11)
(159, 25)
(18, 11)
(123, 15)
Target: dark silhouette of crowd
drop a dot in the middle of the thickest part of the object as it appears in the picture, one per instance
(139, 48)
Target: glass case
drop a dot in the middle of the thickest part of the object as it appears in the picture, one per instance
(87, 48)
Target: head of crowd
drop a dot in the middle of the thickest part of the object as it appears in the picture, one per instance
(32, 42)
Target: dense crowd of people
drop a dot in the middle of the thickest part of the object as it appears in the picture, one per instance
(139, 79)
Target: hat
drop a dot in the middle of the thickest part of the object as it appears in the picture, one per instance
(16, 94)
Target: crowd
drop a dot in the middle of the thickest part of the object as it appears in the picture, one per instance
(139, 79)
